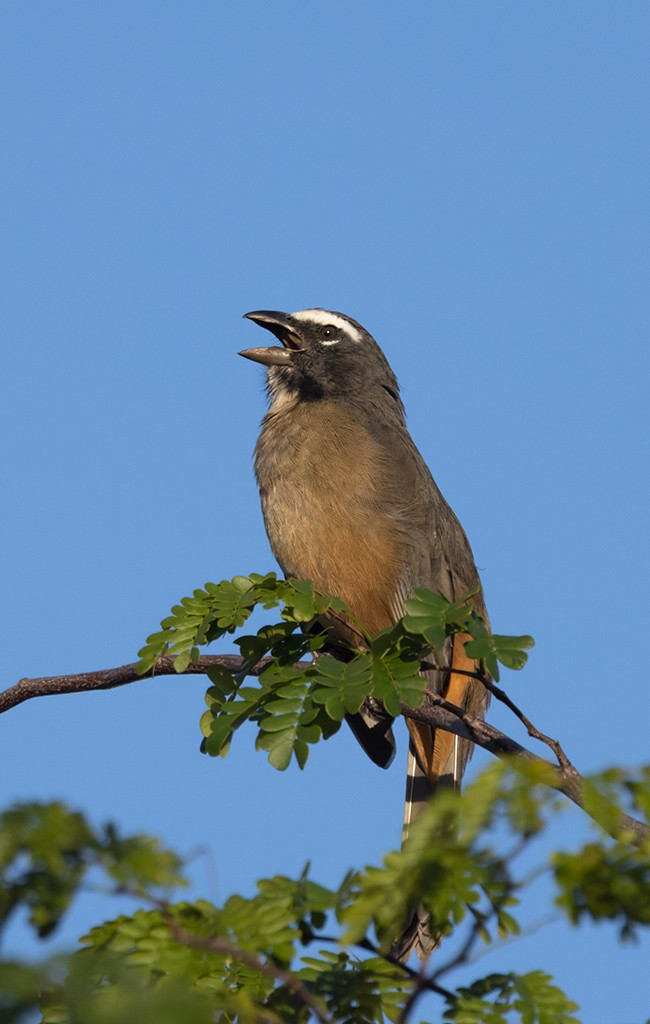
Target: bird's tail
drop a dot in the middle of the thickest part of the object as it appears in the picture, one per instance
(436, 760)
(418, 936)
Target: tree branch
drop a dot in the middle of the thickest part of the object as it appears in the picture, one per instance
(109, 678)
(532, 730)
(435, 711)
(441, 714)
(217, 944)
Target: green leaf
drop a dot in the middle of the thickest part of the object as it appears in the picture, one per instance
(491, 1000)
(252, 648)
(279, 722)
(509, 650)
(426, 616)
(341, 686)
(398, 682)
(280, 746)
(605, 881)
(300, 601)
(222, 681)
(281, 706)
(233, 602)
(219, 734)
(46, 851)
(540, 1002)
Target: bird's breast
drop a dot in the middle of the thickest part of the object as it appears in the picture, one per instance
(329, 507)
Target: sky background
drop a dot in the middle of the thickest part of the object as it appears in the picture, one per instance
(468, 180)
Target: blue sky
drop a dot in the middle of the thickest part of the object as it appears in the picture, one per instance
(468, 180)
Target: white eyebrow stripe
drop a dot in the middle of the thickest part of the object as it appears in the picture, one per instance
(323, 316)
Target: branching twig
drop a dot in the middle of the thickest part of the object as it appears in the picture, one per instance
(217, 944)
(532, 730)
(369, 947)
(435, 711)
(440, 714)
(431, 981)
(422, 985)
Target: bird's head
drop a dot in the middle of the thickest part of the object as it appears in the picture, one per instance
(323, 355)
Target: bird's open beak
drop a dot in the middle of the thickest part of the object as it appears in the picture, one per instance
(282, 326)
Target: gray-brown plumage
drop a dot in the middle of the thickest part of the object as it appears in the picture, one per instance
(350, 504)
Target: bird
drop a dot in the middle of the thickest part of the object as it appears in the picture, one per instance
(350, 504)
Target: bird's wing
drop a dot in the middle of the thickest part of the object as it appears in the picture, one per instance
(437, 556)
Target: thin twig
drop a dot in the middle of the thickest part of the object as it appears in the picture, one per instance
(370, 947)
(216, 944)
(465, 950)
(427, 982)
(421, 986)
(611, 818)
(532, 730)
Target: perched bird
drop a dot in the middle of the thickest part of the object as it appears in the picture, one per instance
(350, 504)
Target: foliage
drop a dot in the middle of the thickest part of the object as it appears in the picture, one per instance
(296, 951)
(292, 707)
(491, 1000)
(46, 850)
(295, 946)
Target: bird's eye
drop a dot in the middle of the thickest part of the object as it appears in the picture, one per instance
(329, 335)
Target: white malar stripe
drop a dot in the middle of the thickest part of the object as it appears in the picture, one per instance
(323, 316)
